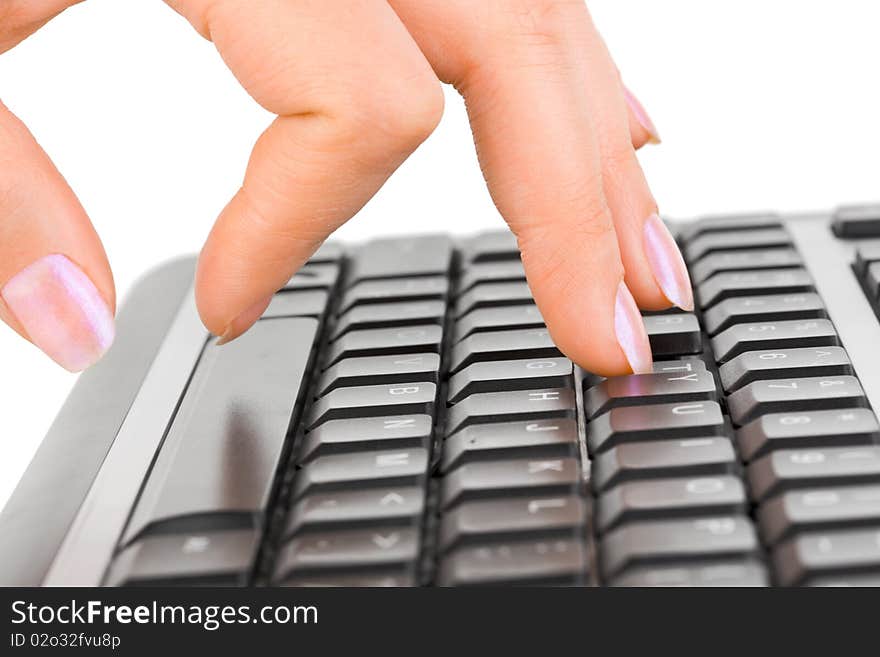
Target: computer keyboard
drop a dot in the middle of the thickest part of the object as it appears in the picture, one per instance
(400, 416)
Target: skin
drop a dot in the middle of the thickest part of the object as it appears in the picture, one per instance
(356, 87)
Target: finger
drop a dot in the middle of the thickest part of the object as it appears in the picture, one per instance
(20, 18)
(354, 97)
(641, 128)
(56, 289)
(521, 68)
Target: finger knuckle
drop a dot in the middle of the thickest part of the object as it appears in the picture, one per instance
(539, 25)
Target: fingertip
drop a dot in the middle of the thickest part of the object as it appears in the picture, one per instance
(243, 321)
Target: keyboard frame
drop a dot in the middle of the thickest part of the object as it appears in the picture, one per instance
(160, 341)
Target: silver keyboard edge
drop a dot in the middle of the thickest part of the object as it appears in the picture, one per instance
(91, 540)
(829, 260)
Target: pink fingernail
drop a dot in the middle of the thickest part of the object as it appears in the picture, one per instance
(641, 115)
(631, 334)
(667, 264)
(61, 311)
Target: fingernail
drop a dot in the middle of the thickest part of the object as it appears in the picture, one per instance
(641, 115)
(630, 330)
(61, 311)
(667, 264)
(244, 321)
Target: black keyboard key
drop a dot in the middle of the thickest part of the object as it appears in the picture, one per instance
(370, 433)
(692, 457)
(314, 277)
(506, 271)
(502, 375)
(386, 315)
(395, 289)
(777, 363)
(503, 317)
(503, 345)
(655, 388)
(674, 334)
(356, 579)
(763, 308)
(819, 509)
(699, 419)
(555, 561)
(349, 549)
(730, 224)
(871, 580)
(517, 477)
(833, 553)
(659, 499)
(752, 282)
(216, 558)
(403, 467)
(400, 506)
(836, 428)
(872, 281)
(753, 259)
(757, 238)
(231, 428)
(511, 406)
(381, 369)
(793, 395)
(788, 334)
(788, 469)
(387, 341)
(482, 521)
(305, 303)
(371, 401)
(488, 295)
(535, 439)
(856, 221)
(737, 573)
(396, 257)
(866, 253)
(652, 542)
(491, 246)
(683, 366)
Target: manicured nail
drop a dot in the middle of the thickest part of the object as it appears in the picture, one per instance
(641, 115)
(667, 264)
(244, 321)
(61, 311)
(630, 330)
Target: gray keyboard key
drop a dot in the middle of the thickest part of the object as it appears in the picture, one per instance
(683, 366)
(403, 505)
(658, 499)
(643, 389)
(763, 308)
(314, 277)
(305, 303)
(211, 558)
(790, 334)
(387, 315)
(726, 573)
(536, 439)
(488, 295)
(835, 428)
(395, 257)
(793, 395)
(813, 468)
(387, 341)
(730, 224)
(857, 221)
(563, 516)
(347, 579)
(516, 477)
(554, 561)
(349, 549)
(502, 375)
(511, 406)
(691, 457)
(503, 345)
(400, 368)
(500, 318)
(763, 238)
(327, 252)
(505, 271)
(674, 334)
(699, 419)
(646, 543)
(236, 410)
(370, 433)
(747, 259)
(403, 467)
(872, 281)
(866, 253)
(490, 246)
(832, 553)
(819, 509)
(783, 363)
(870, 580)
(396, 289)
(371, 401)
(751, 282)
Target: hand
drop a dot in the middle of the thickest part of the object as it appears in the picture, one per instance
(355, 85)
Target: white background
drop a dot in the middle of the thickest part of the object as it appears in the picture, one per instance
(761, 105)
